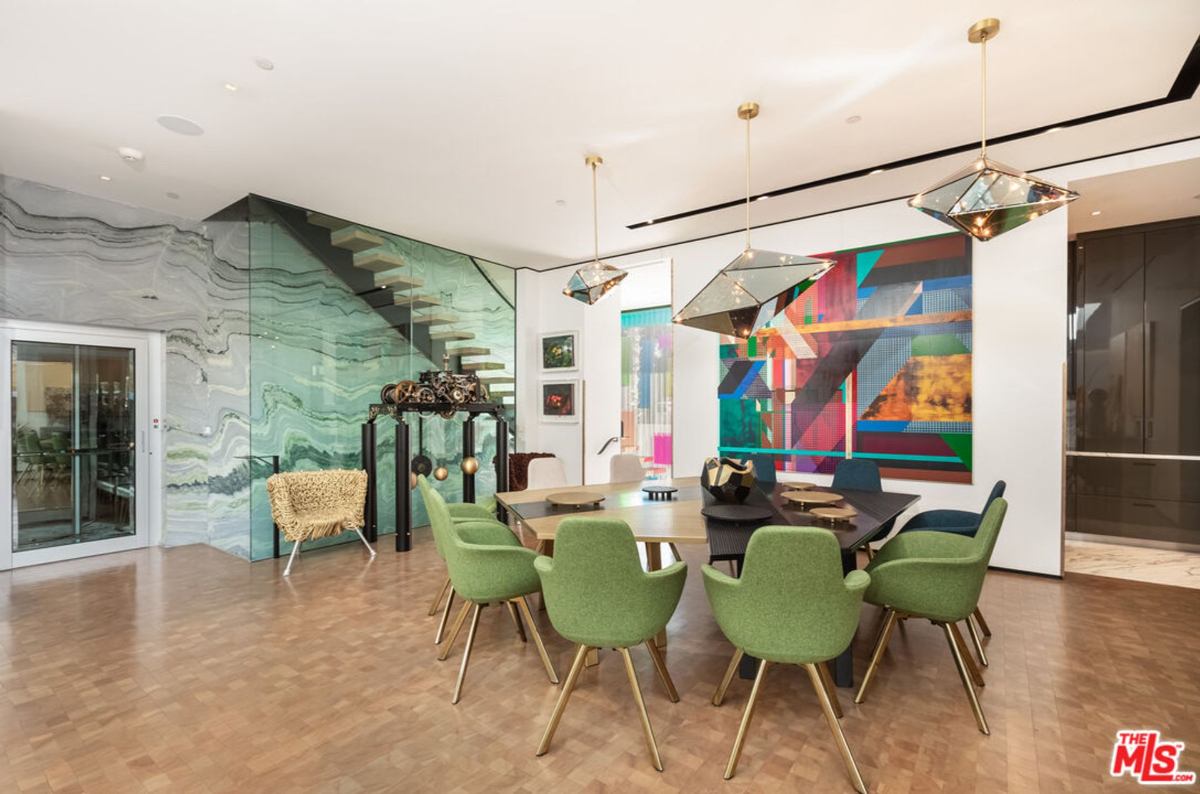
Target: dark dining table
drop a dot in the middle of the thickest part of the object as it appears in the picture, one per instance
(728, 538)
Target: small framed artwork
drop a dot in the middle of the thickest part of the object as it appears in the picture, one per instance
(560, 401)
(560, 351)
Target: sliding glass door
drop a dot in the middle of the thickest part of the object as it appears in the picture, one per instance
(77, 425)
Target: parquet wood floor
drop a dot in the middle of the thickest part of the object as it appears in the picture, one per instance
(185, 670)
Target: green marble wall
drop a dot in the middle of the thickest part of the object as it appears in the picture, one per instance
(319, 354)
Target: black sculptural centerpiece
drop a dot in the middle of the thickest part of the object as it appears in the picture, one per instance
(728, 479)
(437, 387)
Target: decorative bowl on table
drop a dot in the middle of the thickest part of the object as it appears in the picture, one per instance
(728, 479)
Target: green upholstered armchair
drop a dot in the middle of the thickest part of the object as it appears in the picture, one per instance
(793, 606)
(486, 530)
(937, 576)
(597, 595)
(483, 572)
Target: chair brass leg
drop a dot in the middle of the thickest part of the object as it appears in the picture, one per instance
(441, 632)
(433, 608)
(830, 689)
(661, 667)
(983, 626)
(968, 659)
(651, 745)
(516, 619)
(561, 705)
(462, 671)
(458, 621)
(729, 671)
(980, 720)
(675, 552)
(885, 634)
(537, 639)
(831, 716)
(975, 639)
(870, 551)
(731, 768)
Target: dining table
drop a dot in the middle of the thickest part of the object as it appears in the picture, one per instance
(678, 517)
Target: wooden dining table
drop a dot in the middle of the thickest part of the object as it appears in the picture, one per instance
(678, 520)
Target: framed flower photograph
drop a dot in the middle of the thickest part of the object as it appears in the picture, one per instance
(560, 351)
(560, 401)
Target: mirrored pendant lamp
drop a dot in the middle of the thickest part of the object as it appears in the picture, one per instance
(986, 198)
(596, 279)
(756, 287)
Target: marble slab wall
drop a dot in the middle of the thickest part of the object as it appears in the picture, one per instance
(69, 258)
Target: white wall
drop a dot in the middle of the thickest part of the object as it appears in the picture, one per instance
(1020, 300)
(542, 308)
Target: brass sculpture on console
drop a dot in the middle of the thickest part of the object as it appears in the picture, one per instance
(437, 387)
(728, 479)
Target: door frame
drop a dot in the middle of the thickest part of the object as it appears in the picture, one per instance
(149, 368)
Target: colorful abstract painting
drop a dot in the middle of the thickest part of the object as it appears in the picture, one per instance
(873, 362)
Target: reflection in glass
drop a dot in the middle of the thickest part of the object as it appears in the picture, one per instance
(646, 350)
(73, 444)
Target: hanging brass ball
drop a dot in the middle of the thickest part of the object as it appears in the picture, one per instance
(412, 481)
(440, 473)
(470, 465)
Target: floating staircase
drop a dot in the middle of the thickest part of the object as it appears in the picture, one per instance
(469, 352)
(416, 300)
(481, 366)
(448, 335)
(435, 318)
(356, 239)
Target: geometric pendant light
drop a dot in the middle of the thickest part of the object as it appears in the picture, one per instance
(594, 280)
(756, 287)
(987, 198)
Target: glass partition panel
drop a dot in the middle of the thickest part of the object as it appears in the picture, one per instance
(338, 310)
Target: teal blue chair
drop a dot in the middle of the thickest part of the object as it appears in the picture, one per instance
(597, 595)
(937, 576)
(791, 606)
(483, 574)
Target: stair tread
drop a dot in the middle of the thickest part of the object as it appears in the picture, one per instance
(497, 379)
(377, 259)
(326, 221)
(356, 239)
(482, 365)
(468, 351)
(436, 318)
(452, 334)
(397, 279)
(411, 299)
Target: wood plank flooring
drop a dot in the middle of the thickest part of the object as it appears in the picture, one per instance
(185, 670)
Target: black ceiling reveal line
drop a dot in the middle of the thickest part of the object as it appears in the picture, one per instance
(818, 214)
(1183, 89)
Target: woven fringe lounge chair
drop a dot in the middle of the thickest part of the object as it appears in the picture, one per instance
(308, 505)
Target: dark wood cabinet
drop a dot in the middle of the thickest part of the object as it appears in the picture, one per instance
(1134, 467)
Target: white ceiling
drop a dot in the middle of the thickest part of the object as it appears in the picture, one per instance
(464, 123)
(1144, 195)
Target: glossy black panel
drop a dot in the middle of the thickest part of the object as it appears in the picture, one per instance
(1173, 341)
(1172, 522)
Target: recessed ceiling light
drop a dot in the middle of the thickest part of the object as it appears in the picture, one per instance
(266, 64)
(180, 125)
(105, 178)
(230, 87)
(561, 202)
(172, 195)
(1095, 212)
(877, 171)
(853, 119)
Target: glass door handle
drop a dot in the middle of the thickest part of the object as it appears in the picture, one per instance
(142, 441)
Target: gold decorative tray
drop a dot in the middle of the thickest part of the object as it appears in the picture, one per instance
(812, 497)
(575, 498)
(835, 514)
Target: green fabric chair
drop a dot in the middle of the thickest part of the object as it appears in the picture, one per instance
(937, 576)
(791, 606)
(597, 595)
(465, 512)
(483, 572)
